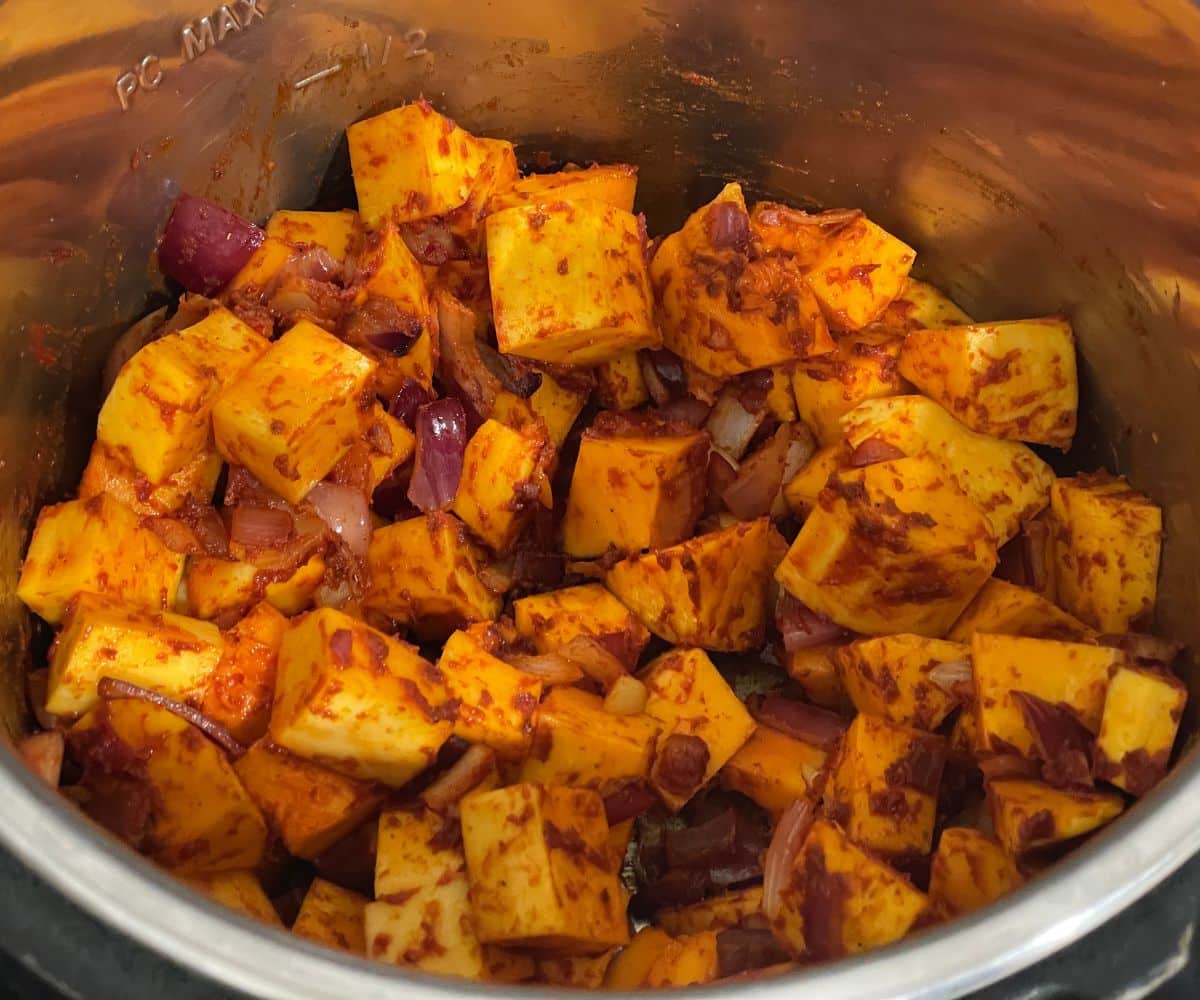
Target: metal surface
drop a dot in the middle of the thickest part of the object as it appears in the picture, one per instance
(1039, 154)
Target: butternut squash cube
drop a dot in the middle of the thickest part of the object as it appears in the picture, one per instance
(862, 269)
(240, 891)
(161, 651)
(295, 413)
(687, 961)
(892, 547)
(497, 175)
(883, 786)
(773, 769)
(688, 696)
(356, 700)
(815, 669)
(391, 444)
(416, 847)
(1005, 479)
(199, 817)
(309, 806)
(569, 282)
(551, 620)
(1013, 380)
(108, 472)
(889, 677)
(338, 233)
(556, 403)
(1029, 814)
(637, 484)
(539, 871)
(581, 972)
(1003, 608)
(921, 305)
(709, 591)
(1141, 717)
(632, 964)
(740, 908)
(802, 491)
(613, 184)
(242, 686)
(334, 917)
(100, 547)
(428, 930)
(1108, 540)
(619, 382)
(503, 471)
(969, 871)
(263, 266)
(425, 574)
(213, 587)
(496, 702)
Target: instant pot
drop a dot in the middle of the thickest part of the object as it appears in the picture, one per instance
(1040, 155)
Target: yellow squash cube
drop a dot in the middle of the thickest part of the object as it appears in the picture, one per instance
(390, 444)
(338, 233)
(689, 697)
(1013, 380)
(108, 472)
(1137, 730)
(309, 806)
(613, 184)
(632, 964)
(429, 930)
(619, 383)
(161, 651)
(496, 702)
(581, 972)
(892, 547)
(1108, 540)
(96, 546)
(240, 891)
(357, 700)
(815, 669)
(503, 471)
(262, 268)
(553, 619)
(569, 282)
(538, 869)
(1028, 814)
(710, 591)
(969, 871)
(1074, 675)
(890, 677)
(295, 413)
(921, 305)
(241, 688)
(558, 404)
(688, 961)
(200, 818)
(883, 786)
(213, 587)
(333, 916)
(416, 847)
(773, 769)
(425, 574)
(157, 414)
(862, 269)
(497, 175)
(1003, 608)
(637, 484)
(740, 908)
(1004, 479)
(802, 491)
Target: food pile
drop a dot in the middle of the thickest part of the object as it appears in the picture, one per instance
(468, 579)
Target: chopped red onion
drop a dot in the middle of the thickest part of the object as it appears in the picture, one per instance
(204, 245)
(441, 429)
(685, 409)
(346, 512)
(396, 341)
(409, 398)
(1062, 742)
(552, 668)
(664, 376)
(260, 527)
(729, 227)
(43, 754)
(793, 826)
(760, 478)
(872, 450)
(802, 628)
(955, 677)
(800, 720)
(111, 687)
(681, 764)
(464, 774)
(703, 846)
(628, 801)
(515, 374)
(731, 425)
(432, 242)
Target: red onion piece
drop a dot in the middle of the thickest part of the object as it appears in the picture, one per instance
(515, 374)
(538, 571)
(552, 668)
(396, 341)
(463, 775)
(802, 628)
(43, 754)
(629, 801)
(664, 376)
(409, 398)
(793, 826)
(760, 478)
(729, 227)
(872, 450)
(1062, 742)
(1150, 649)
(800, 720)
(110, 687)
(685, 409)
(346, 512)
(1008, 765)
(702, 846)
(731, 425)
(432, 242)
(681, 764)
(204, 245)
(441, 429)
(260, 527)
(594, 659)
(955, 677)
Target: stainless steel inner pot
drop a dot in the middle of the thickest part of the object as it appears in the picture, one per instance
(1040, 155)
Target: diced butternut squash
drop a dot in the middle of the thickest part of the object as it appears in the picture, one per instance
(309, 806)
(263, 266)
(613, 184)
(709, 591)
(503, 472)
(429, 929)
(240, 891)
(425, 574)
(689, 697)
(969, 871)
(338, 233)
(740, 908)
(496, 702)
(356, 700)
(242, 686)
(416, 847)
(539, 871)
(687, 961)
(773, 769)
(556, 403)
(96, 546)
(214, 587)
(637, 484)
(619, 382)
(890, 677)
(580, 972)
(1003, 608)
(1108, 539)
(292, 415)
(892, 547)
(390, 444)
(497, 175)
(862, 269)
(569, 282)
(553, 619)
(1013, 380)
(815, 669)
(921, 305)
(108, 472)
(1029, 814)
(333, 916)
(802, 491)
(633, 963)
(1137, 730)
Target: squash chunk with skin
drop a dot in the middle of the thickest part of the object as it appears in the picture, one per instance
(815, 669)
(356, 700)
(1013, 380)
(338, 233)
(690, 698)
(96, 546)
(637, 484)
(742, 907)
(802, 492)
(1072, 675)
(921, 305)
(332, 916)
(1137, 730)
(1003, 608)
(569, 282)
(107, 472)
(579, 744)
(551, 620)
(1108, 540)
(773, 769)
(724, 312)
(240, 891)
(167, 653)
(242, 686)
(157, 414)
(296, 412)
(883, 786)
(709, 591)
(620, 385)
(1005, 479)
(391, 444)
(892, 547)
(969, 871)
(863, 268)
(1029, 814)
(503, 472)
(687, 961)
(613, 184)
(425, 574)
(889, 677)
(539, 871)
(496, 702)
(216, 587)
(878, 904)
(309, 806)
(198, 816)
